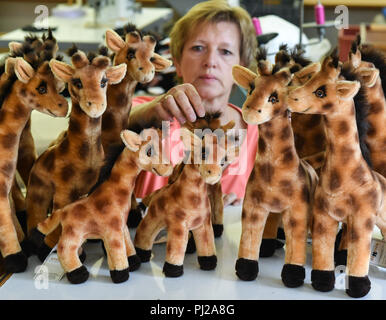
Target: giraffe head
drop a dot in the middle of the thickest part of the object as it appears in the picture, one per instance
(366, 70)
(137, 52)
(325, 91)
(148, 149)
(266, 90)
(87, 79)
(209, 153)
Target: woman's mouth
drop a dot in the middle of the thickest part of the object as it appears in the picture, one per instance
(208, 77)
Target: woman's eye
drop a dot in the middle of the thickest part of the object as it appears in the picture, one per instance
(198, 48)
(273, 99)
(226, 52)
(103, 82)
(320, 93)
(42, 89)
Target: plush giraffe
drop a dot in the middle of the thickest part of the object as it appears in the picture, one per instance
(35, 88)
(308, 136)
(280, 182)
(190, 208)
(348, 190)
(137, 52)
(103, 213)
(370, 77)
(68, 169)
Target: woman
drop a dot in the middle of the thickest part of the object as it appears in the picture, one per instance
(205, 44)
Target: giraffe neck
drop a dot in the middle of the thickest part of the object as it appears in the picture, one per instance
(276, 142)
(344, 157)
(377, 112)
(119, 96)
(82, 127)
(190, 179)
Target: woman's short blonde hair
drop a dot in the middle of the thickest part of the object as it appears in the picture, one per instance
(214, 11)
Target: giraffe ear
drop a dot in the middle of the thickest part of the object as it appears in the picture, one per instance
(347, 90)
(113, 41)
(369, 76)
(189, 139)
(284, 76)
(160, 63)
(61, 70)
(23, 70)
(308, 71)
(131, 140)
(116, 74)
(243, 76)
(10, 66)
(14, 46)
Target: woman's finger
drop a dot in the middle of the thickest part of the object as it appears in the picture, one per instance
(185, 106)
(171, 106)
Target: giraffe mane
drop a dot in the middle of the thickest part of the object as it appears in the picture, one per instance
(362, 108)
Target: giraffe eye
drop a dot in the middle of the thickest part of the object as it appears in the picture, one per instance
(320, 92)
(224, 161)
(77, 83)
(273, 98)
(103, 82)
(131, 54)
(251, 88)
(150, 151)
(42, 89)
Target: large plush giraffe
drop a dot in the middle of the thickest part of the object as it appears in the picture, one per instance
(280, 181)
(68, 169)
(103, 213)
(35, 88)
(370, 67)
(137, 52)
(190, 208)
(348, 190)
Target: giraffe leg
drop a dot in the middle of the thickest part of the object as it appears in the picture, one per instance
(135, 214)
(340, 255)
(359, 232)
(206, 251)
(177, 241)
(269, 243)
(324, 230)
(252, 222)
(76, 272)
(14, 258)
(132, 257)
(117, 258)
(217, 208)
(146, 233)
(295, 225)
(27, 153)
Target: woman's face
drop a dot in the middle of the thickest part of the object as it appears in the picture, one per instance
(207, 59)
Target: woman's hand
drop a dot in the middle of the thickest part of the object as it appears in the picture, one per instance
(231, 199)
(182, 102)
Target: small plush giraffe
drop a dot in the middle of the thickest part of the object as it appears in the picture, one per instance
(68, 169)
(189, 208)
(137, 52)
(280, 182)
(348, 190)
(103, 213)
(35, 88)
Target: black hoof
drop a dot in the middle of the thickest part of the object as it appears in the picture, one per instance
(322, 280)
(77, 276)
(144, 255)
(35, 240)
(82, 256)
(207, 263)
(191, 246)
(172, 270)
(267, 248)
(26, 247)
(15, 263)
(104, 249)
(22, 218)
(340, 258)
(280, 234)
(292, 275)
(358, 287)
(43, 251)
(218, 229)
(134, 262)
(246, 269)
(135, 215)
(119, 276)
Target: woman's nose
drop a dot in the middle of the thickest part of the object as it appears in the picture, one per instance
(210, 59)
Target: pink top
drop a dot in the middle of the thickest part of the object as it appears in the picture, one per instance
(235, 176)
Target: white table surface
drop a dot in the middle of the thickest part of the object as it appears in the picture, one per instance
(149, 283)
